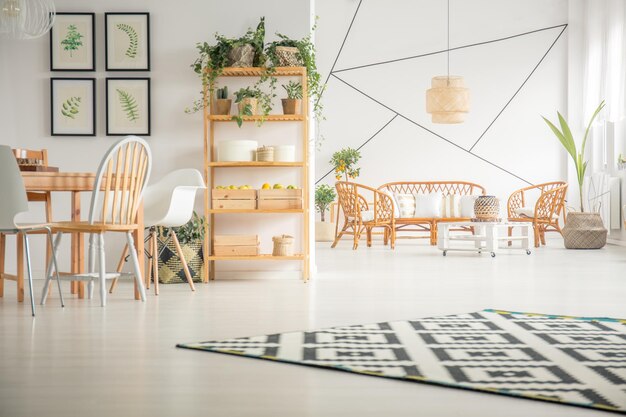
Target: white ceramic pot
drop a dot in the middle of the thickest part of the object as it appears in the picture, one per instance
(324, 231)
(236, 150)
(285, 153)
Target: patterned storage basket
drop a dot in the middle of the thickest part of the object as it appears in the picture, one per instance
(283, 245)
(171, 269)
(288, 56)
(486, 208)
(584, 231)
(265, 154)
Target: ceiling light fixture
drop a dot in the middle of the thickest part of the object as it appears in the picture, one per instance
(26, 19)
(447, 100)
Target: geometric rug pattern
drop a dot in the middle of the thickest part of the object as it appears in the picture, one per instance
(569, 360)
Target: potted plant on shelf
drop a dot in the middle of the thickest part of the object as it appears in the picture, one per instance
(344, 161)
(248, 100)
(191, 238)
(222, 102)
(324, 197)
(582, 230)
(293, 103)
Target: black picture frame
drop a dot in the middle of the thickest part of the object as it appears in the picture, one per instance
(57, 54)
(118, 123)
(61, 121)
(138, 35)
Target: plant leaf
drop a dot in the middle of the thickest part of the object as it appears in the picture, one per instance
(129, 105)
(568, 143)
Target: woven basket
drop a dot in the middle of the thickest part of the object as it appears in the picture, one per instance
(584, 231)
(171, 268)
(288, 56)
(253, 102)
(486, 208)
(265, 154)
(283, 245)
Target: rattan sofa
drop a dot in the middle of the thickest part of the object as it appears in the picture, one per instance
(429, 225)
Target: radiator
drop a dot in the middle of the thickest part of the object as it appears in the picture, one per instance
(615, 203)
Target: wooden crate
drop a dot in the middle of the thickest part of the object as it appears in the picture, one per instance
(236, 250)
(280, 204)
(234, 204)
(282, 194)
(236, 240)
(221, 194)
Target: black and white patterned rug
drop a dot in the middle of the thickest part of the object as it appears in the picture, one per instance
(570, 360)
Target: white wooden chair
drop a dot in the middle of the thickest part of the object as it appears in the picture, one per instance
(115, 200)
(13, 202)
(168, 203)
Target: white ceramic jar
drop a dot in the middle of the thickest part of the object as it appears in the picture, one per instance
(285, 153)
(236, 150)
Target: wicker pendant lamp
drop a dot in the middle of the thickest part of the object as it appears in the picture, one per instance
(26, 19)
(447, 100)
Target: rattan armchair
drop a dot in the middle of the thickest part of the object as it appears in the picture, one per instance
(546, 212)
(359, 216)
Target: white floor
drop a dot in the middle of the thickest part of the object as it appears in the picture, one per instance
(121, 360)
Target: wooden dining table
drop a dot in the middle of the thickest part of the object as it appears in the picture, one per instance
(76, 183)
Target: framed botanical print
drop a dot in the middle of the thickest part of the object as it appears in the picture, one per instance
(73, 42)
(127, 39)
(128, 106)
(73, 106)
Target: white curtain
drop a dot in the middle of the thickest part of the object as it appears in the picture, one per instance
(605, 59)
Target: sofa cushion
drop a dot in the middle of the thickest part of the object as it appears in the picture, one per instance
(366, 216)
(451, 206)
(529, 212)
(467, 205)
(406, 205)
(396, 208)
(427, 205)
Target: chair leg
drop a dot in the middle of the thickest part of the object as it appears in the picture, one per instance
(19, 242)
(102, 270)
(368, 232)
(182, 260)
(53, 254)
(120, 266)
(542, 236)
(91, 264)
(357, 236)
(338, 236)
(510, 233)
(155, 262)
(46, 286)
(150, 260)
(30, 273)
(2, 253)
(48, 208)
(536, 235)
(385, 236)
(393, 237)
(136, 269)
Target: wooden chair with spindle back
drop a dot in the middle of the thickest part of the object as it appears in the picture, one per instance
(116, 198)
(45, 197)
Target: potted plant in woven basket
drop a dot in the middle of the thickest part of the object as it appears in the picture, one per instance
(583, 230)
(293, 103)
(191, 238)
(249, 100)
(324, 197)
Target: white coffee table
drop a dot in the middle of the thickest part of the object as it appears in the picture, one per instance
(487, 237)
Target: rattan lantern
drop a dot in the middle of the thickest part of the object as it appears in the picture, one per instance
(447, 100)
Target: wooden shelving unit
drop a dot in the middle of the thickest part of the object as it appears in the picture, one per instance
(211, 165)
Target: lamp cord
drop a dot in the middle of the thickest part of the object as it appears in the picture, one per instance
(448, 50)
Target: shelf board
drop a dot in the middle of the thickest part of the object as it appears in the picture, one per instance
(258, 71)
(297, 257)
(256, 118)
(240, 211)
(255, 164)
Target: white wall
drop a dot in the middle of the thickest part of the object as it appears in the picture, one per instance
(176, 139)
(518, 148)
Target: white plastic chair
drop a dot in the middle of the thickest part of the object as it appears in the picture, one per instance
(115, 200)
(169, 203)
(13, 202)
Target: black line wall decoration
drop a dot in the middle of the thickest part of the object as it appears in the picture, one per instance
(335, 73)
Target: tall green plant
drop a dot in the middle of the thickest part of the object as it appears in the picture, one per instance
(564, 135)
(324, 196)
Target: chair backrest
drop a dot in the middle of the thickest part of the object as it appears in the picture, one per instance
(12, 190)
(427, 187)
(122, 175)
(38, 154)
(170, 201)
(518, 198)
(353, 202)
(551, 202)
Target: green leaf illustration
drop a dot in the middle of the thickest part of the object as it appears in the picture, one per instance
(129, 105)
(71, 107)
(72, 39)
(131, 52)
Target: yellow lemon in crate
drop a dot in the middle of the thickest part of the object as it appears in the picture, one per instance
(266, 186)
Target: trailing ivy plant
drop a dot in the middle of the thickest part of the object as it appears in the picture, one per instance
(212, 59)
(264, 102)
(129, 105)
(133, 39)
